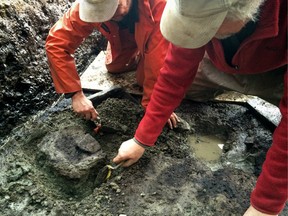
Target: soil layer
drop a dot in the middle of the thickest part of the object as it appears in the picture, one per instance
(168, 180)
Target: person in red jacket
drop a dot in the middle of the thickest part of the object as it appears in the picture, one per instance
(134, 41)
(241, 37)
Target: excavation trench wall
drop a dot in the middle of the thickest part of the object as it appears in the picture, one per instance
(25, 82)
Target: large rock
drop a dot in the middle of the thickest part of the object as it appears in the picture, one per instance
(72, 152)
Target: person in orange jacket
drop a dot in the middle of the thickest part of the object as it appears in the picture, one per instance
(134, 41)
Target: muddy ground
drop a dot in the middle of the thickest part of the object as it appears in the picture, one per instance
(49, 158)
(47, 170)
(25, 81)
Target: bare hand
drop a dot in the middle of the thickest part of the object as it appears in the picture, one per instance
(251, 211)
(173, 120)
(130, 152)
(83, 106)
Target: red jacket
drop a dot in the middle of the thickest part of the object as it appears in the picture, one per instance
(69, 32)
(264, 50)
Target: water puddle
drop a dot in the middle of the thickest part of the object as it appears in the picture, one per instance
(206, 147)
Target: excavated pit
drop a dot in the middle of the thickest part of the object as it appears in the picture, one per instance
(41, 173)
(46, 169)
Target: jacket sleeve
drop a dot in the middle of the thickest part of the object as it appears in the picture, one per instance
(154, 54)
(64, 38)
(271, 191)
(177, 73)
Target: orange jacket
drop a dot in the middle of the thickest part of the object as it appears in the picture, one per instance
(68, 33)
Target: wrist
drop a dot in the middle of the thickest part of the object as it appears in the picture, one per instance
(139, 143)
(70, 94)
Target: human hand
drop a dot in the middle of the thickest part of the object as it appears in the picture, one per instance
(83, 106)
(129, 152)
(251, 211)
(173, 120)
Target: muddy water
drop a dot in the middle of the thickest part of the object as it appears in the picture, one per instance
(206, 147)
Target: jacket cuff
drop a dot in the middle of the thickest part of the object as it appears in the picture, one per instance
(139, 143)
(69, 95)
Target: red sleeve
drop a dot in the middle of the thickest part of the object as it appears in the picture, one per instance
(154, 54)
(177, 73)
(64, 38)
(270, 193)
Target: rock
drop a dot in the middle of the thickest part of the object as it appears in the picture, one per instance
(182, 125)
(71, 152)
(89, 144)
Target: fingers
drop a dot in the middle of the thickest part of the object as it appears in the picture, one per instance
(89, 115)
(86, 116)
(118, 159)
(173, 120)
(84, 107)
(94, 114)
(176, 117)
(170, 124)
(126, 161)
(129, 153)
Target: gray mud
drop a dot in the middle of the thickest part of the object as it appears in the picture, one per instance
(47, 169)
(49, 163)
